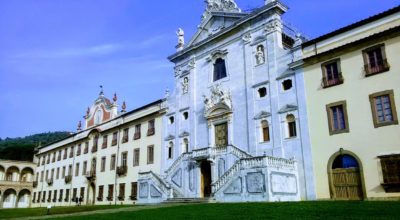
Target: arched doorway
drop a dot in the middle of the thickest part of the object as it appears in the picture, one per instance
(345, 176)
(24, 198)
(91, 197)
(205, 168)
(9, 198)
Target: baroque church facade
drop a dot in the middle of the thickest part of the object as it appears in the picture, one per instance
(235, 127)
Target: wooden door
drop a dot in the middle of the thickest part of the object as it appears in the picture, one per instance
(221, 134)
(346, 183)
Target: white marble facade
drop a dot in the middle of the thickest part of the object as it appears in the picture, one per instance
(238, 133)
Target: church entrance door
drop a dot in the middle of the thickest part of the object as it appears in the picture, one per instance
(221, 135)
(205, 179)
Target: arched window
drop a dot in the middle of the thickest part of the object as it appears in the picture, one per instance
(265, 130)
(97, 117)
(170, 149)
(185, 145)
(219, 69)
(291, 120)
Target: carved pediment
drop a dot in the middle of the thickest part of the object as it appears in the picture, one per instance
(261, 115)
(169, 137)
(184, 134)
(218, 103)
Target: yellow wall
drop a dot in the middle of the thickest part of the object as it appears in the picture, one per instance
(363, 139)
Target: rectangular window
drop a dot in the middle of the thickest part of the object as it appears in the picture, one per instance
(43, 160)
(112, 163)
(391, 172)
(34, 197)
(95, 143)
(63, 173)
(86, 150)
(136, 154)
(67, 195)
(134, 191)
(124, 161)
(115, 139)
(125, 137)
(77, 169)
(337, 118)
(39, 196)
(52, 174)
(54, 157)
(137, 132)
(84, 169)
(55, 196)
(219, 69)
(332, 74)
(82, 195)
(65, 153)
(58, 173)
(121, 195)
(78, 151)
(110, 192)
(383, 108)
(150, 154)
(48, 159)
(151, 129)
(47, 174)
(44, 196)
(105, 139)
(71, 152)
(59, 155)
(101, 193)
(103, 164)
(74, 194)
(375, 60)
(61, 195)
(70, 170)
(49, 198)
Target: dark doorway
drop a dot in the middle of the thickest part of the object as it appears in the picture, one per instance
(205, 179)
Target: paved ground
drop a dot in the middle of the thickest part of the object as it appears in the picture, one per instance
(129, 209)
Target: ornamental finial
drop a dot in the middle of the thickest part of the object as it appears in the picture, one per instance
(79, 126)
(115, 98)
(123, 107)
(101, 91)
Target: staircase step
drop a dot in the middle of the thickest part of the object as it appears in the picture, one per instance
(190, 200)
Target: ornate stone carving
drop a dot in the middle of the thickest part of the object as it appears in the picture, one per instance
(255, 182)
(272, 26)
(220, 6)
(177, 70)
(260, 55)
(181, 39)
(185, 85)
(218, 98)
(247, 38)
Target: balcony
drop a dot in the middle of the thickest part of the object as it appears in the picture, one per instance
(68, 178)
(326, 83)
(122, 170)
(91, 175)
(49, 181)
(378, 67)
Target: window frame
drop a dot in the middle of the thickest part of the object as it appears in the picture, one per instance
(343, 103)
(150, 157)
(372, 97)
(136, 158)
(384, 59)
(324, 81)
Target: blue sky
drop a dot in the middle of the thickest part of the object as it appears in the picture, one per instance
(54, 54)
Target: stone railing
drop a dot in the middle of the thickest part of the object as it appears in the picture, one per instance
(16, 184)
(238, 152)
(156, 179)
(202, 152)
(254, 162)
(175, 164)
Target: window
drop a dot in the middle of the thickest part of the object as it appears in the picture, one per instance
(54, 157)
(55, 196)
(48, 159)
(171, 120)
(84, 169)
(43, 159)
(95, 143)
(137, 132)
(77, 169)
(67, 195)
(41, 176)
(331, 74)
(112, 163)
(125, 137)
(391, 172)
(58, 173)
(337, 118)
(121, 195)
(44, 196)
(74, 194)
(115, 139)
(47, 174)
(150, 129)
(265, 131)
(170, 149)
(59, 155)
(185, 115)
(124, 156)
(262, 92)
(383, 108)
(82, 195)
(34, 197)
(150, 154)
(49, 198)
(375, 60)
(78, 151)
(63, 173)
(65, 153)
(291, 123)
(103, 164)
(71, 152)
(61, 195)
(219, 69)
(134, 190)
(70, 170)
(100, 195)
(105, 139)
(86, 150)
(136, 155)
(110, 192)
(287, 84)
(39, 195)
(185, 145)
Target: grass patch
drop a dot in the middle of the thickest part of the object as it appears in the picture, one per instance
(31, 212)
(301, 210)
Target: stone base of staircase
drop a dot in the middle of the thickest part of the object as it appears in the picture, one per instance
(190, 200)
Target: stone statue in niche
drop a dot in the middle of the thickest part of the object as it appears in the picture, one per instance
(185, 85)
(260, 55)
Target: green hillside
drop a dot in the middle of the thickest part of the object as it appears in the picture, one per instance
(23, 148)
